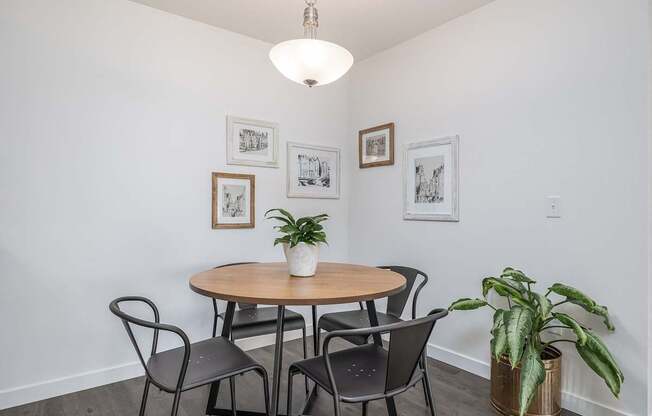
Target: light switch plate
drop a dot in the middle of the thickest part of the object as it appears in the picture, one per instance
(553, 206)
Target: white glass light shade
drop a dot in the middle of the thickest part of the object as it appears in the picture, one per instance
(310, 61)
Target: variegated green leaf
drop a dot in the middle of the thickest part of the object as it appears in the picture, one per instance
(499, 340)
(545, 306)
(574, 325)
(500, 286)
(519, 324)
(467, 304)
(517, 275)
(533, 373)
(572, 294)
(596, 355)
(598, 310)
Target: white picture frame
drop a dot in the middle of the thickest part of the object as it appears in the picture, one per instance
(431, 196)
(251, 142)
(313, 171)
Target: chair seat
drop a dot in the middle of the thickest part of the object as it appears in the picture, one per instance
(252, 322)
(353, 320)
(210, 360)
(359, 372)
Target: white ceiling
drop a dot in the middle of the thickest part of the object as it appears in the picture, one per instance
(365, 27)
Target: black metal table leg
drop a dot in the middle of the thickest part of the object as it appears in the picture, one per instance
(211, 408)
(315, 331)
(278, 359)
(373, 320)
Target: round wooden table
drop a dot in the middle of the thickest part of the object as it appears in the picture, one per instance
(271, 284)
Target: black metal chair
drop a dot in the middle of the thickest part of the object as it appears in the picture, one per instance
(187, 367)
(336, 321)
(369, 372)
(251, 321)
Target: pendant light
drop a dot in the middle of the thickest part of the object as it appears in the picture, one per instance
(310, 61)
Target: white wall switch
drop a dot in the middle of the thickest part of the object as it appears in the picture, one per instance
(553, 207)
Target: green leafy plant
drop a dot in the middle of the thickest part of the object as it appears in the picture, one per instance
(304, 230)
(517, 331)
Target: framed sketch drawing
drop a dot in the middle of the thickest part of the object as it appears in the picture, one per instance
(376, 146)
(251, 142)
(431, 180)
(313, 171)
(234, 204)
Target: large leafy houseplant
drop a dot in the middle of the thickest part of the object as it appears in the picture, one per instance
(518, 330)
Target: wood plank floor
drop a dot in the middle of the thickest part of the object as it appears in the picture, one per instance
(456, 392)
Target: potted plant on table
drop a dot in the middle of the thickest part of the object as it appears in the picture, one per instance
(525, 368)
(301, 239)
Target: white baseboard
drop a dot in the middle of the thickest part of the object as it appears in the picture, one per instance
(76, 382)
(569, 401)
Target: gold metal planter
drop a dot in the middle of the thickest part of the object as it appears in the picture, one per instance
(505, 386)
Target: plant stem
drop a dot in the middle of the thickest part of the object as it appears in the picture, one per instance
(555, 326)
(560, 303)
(491, 306)
(561, 340)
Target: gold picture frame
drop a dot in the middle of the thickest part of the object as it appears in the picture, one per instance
(233, 201)
(376, 146)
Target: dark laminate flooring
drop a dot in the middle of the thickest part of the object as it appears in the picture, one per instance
(456, 392)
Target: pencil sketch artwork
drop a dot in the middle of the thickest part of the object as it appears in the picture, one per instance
(234, 201)
(429, 180)
(253, 141)
(313, 171)
(376, 145)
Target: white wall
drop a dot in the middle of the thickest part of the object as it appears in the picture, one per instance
(112, 118)
(549, 98)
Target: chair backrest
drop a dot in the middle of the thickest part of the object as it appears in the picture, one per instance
(406, 345)
(128, 320)
(240, 304)
(396, 303)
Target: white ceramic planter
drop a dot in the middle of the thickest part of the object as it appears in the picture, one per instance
(302, 259)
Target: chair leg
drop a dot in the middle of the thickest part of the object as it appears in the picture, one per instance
(234, 410)
(391, 406)
(305, 356)
(263, 374)
(364, 408)
(338, 405)
(317, 352)
(290, 380)
(426, 385)
(175, 403)
(143, 402)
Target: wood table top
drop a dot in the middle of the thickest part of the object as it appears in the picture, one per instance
(271, 284)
